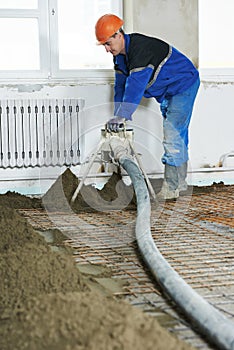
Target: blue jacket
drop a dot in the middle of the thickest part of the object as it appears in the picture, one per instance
(150, 68)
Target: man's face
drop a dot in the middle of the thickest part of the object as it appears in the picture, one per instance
(115, 44)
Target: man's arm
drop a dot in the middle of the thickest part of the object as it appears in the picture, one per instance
(135, 87)
(119, 89)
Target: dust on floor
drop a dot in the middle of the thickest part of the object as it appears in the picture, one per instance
(45, 303)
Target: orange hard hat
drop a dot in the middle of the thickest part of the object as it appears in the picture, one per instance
(107, 26)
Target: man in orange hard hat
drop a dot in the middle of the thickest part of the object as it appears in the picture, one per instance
(150, 67)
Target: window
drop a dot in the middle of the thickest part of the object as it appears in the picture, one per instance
(216, 31)
(21, 49)
(76, 41)
(53, 38)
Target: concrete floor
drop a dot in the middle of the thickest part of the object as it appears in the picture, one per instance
(194, 234)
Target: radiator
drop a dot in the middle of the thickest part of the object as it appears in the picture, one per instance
(39, 133)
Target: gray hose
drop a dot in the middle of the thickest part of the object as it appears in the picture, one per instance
(214, 325)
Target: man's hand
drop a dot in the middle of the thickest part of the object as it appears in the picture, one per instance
(115, 124)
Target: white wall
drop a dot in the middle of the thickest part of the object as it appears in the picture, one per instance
(212, 126)
(211, 129)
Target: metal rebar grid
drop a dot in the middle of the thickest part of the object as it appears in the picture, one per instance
(194, 234)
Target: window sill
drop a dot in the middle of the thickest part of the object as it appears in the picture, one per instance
(70, 77)
(224, 75)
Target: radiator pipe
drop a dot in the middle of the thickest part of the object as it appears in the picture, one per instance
(210, 322)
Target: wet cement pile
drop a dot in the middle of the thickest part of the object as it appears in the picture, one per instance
(46, 305)
(114, 195)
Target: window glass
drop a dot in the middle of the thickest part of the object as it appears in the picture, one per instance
(18, 4)
(52, 38)
(76, 34)
(19, 44)
(216, 32)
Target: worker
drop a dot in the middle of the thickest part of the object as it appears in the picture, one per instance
(150, 67)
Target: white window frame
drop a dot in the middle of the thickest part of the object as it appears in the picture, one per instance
(82, 74)
(49, 71)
